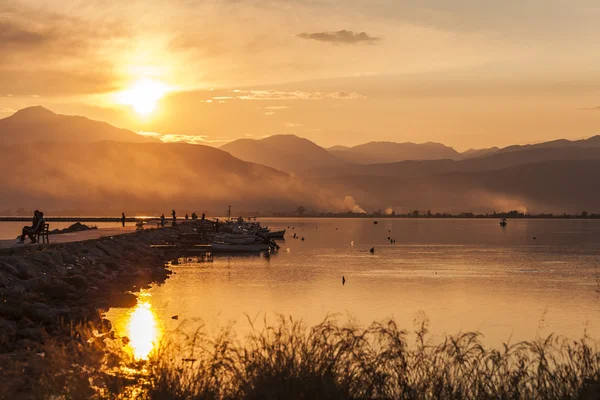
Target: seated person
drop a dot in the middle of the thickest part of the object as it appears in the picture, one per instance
(36, 227)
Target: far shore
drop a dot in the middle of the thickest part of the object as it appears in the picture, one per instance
(411, 215)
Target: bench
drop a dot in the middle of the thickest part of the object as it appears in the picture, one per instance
(43, 235)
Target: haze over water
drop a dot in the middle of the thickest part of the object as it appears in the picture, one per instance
(464, 275)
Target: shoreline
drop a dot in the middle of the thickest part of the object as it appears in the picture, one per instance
(48, 290)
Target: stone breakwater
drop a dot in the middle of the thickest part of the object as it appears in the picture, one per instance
(44, 289)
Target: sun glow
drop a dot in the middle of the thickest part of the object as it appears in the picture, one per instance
(143, 330)
(144, 95)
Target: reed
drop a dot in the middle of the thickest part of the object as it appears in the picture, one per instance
(332, 361)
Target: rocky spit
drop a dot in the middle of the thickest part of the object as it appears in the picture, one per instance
(47, 290)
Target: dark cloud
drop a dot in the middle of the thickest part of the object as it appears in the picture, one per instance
(14, 35)
(341, 37)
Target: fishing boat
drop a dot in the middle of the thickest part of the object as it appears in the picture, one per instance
(276, 234)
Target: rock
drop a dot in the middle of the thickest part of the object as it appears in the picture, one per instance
(10, 310)
(57, 257)
(8, 332)
(123, 300)
(32, 334)
(31, 285)
(40, 312)
(77, 281)
(26, 270)
(8, 268)
(57, 289)
(104, 326)
(4, 281)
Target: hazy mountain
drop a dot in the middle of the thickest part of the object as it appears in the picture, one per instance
(494, 161)
(592, 142)
(551, 186)
(474, 153)
(284, 152)
(110, 177)
(338, 148)
(386, 152)
(35, 124)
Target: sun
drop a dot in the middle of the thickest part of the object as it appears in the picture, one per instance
(143, 95)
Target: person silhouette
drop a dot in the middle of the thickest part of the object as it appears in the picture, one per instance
(36, 227)
(123, 219)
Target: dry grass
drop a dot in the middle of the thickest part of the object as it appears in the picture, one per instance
(289, 360)
(329, 361)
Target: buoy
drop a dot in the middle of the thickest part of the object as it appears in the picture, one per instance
(372, 250)
(303, 239)
(375, 222)
(343, 280)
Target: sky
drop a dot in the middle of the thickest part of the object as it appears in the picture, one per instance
(467, 73)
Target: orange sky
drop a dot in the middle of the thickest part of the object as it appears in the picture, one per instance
(468, 73)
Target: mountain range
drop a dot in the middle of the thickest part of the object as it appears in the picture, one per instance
(90, 165)
(35, 124)
(288, 153)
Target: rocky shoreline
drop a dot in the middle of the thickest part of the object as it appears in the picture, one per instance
(47, 290)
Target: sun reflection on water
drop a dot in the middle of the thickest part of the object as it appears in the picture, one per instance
(143, 329)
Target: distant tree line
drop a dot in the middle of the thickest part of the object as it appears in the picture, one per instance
(303, 212)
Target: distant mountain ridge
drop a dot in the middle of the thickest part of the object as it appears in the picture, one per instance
(109, 176)
(386, 152)
(288, 153)
(38, 124)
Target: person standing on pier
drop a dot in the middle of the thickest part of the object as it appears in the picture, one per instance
(174, 217)
(123, 219)
(162, 220)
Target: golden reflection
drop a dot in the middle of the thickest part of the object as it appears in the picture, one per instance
(143, 329)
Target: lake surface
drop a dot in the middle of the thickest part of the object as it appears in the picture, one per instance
(464, 275)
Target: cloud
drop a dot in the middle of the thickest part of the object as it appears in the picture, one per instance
(296, 95)
(269, 113)
(276, 108)
(190, 139)
(4, 110)
(12, 34)
(340, 37)
(292, 125)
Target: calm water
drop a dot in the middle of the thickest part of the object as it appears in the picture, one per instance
(463, 274)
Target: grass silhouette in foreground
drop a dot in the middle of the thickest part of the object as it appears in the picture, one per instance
(329, 361)
(289, 360)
